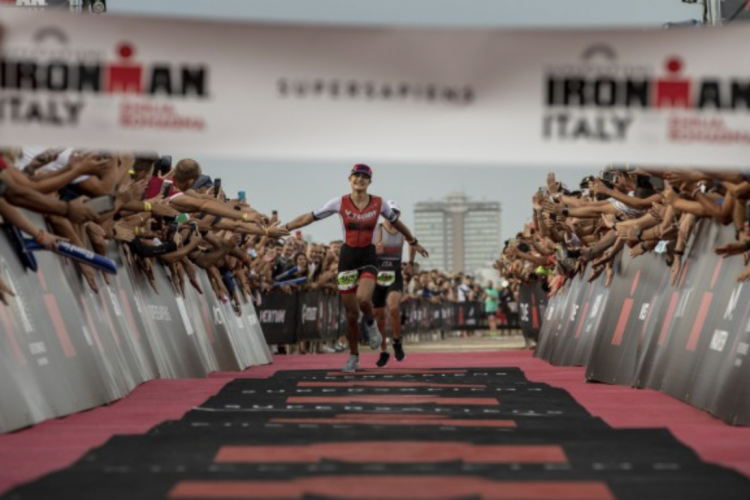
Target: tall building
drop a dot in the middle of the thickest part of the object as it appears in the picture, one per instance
(460, 234)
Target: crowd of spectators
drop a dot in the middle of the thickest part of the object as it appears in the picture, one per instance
(624, 208)
(172, 216)
(179, 217)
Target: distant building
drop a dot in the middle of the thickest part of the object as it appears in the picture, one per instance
(460, 234)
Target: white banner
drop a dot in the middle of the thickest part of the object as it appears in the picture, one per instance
(675, 97)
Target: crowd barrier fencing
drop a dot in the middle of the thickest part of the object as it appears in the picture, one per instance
(64, 349)
(690, 341)
(532, 305)
(316, 315)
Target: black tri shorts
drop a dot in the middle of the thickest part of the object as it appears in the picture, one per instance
(356, 263)
(388, 281)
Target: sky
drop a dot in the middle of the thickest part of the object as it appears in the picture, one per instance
(293, 188)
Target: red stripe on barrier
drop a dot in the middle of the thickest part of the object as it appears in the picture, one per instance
(668, 318)
(700, 320)
(622, 322)
(634, 285)
(417, 487)
(716, 273)
(393, 452)
(8, 327)
(129, 314)
(392, 400)
(59, 323)
(41, 278)
(534, 313)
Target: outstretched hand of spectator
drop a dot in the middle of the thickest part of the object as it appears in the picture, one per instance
(657, 211)
(687, 222)
(610, 272)
(637, 251)
(276, 231)
(677, 176)
(162, 209)
(675, 270)
(609, 220)
(192, 276)
(599, 187)
(744, 275)
(552, 183)
(91, 163)
(122, 232)
(79, 212)
(5, 290)
(629, 233)
(669, 194)
(596, 271)
(131, 192)
(733, 248)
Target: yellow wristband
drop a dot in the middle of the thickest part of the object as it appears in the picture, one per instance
(135, 231)
(147, 206)
(244, 217)
(265, 229)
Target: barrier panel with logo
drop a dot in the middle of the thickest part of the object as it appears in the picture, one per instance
(690, 340)
(65, 349)
(532, 305)
(315, 315)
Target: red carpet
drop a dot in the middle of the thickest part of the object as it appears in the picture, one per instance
(30, 453)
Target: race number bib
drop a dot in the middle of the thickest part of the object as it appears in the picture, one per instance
(386, 278)
(347, 280)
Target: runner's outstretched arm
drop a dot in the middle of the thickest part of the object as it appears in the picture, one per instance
(410, 239)
(301, 221)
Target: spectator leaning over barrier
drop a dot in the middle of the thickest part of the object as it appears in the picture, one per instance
(624, 207)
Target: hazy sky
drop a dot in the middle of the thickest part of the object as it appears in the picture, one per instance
(294, 188)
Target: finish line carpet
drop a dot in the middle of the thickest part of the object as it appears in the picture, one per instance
(391, 434)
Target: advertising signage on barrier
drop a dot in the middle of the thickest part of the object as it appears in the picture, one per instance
(64, 348)
(648, 97)
(690, 340)
(532, 306)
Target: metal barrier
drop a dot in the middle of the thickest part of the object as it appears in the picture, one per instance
(316, 315)
(65, 349)
(690, 341)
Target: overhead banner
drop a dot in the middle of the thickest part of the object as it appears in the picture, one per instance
(38, 4)
(337, 93)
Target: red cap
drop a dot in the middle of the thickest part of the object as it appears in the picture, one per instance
(361, 168)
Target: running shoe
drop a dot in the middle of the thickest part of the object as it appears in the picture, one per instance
(352, 364)
(374, 337)
(398, 350)
(383, 360)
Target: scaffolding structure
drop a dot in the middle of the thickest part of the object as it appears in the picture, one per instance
(89, 6)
